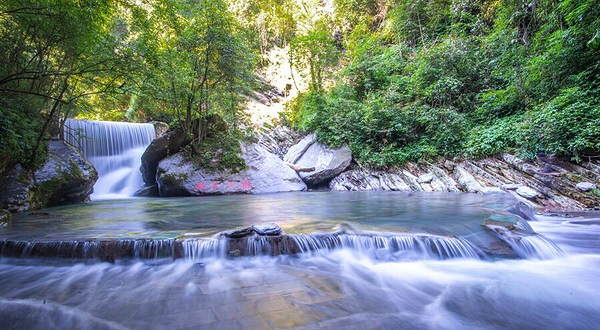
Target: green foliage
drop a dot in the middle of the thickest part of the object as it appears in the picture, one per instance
(461, 78)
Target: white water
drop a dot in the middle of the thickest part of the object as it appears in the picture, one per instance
(115, 149)
(348, 286)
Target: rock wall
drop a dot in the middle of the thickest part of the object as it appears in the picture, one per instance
(529, 181)
(66, 177)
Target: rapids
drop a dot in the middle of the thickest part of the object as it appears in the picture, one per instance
(380, 272)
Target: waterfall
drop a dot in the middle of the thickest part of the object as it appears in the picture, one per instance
(115, 149)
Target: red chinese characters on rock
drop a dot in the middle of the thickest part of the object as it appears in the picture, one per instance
(200, 186)
(246, 185)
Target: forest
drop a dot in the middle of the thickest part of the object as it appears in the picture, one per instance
(396, 80)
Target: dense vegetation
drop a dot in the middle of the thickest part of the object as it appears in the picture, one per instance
(397, 80)
(430, 78)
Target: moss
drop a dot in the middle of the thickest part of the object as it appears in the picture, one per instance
(75, 170)
(175, 179)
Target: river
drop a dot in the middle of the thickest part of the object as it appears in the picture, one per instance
(368, 284)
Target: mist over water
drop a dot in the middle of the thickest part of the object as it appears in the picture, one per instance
(358, 285)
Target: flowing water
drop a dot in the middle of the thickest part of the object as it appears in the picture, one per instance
(115, 149)
(354, 261)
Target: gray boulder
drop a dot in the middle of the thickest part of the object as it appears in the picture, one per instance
(168, 144)
(297, 150)
(327, 162)
(66, 177)
(586, 186)
(264, 173)
(425, 178)
(527, 192)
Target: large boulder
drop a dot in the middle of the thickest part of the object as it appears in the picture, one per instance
(327, 162)
(264, 173)
(168, 144)
(66, 177)
(297, 150)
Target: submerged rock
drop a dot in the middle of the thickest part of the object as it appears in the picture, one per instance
(147, 191)
(327, 162)
(264, 173)
(66, 177)
(586, 186)
(522, 211)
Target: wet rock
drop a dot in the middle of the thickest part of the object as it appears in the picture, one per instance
(297, 150)
(168, 144)
(160, 128)
(327, 162)
(66, 177)
(522, 211)
(490, 190)
(500, 249)
(5, 217)
(238, 233)
(148, 191)
(527, 192)
(262, 229)
(267, 229)
(425, 178)
(264, 173)
(586, 186)
(512, 186)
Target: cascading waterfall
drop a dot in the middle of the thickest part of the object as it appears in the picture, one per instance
(386, 245)
(115, 149)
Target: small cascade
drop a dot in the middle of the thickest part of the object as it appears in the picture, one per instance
(525, 242)
(195, 249)
(107, 250)
(534, 246)
(425, 245)
(115, 149)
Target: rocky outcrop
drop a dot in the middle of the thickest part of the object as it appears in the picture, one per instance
(160, 128)
(525, 180)
(5, 217)
(168, 144)
(66, 177)
(264, 173)
(327, 163)
(278, 140)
